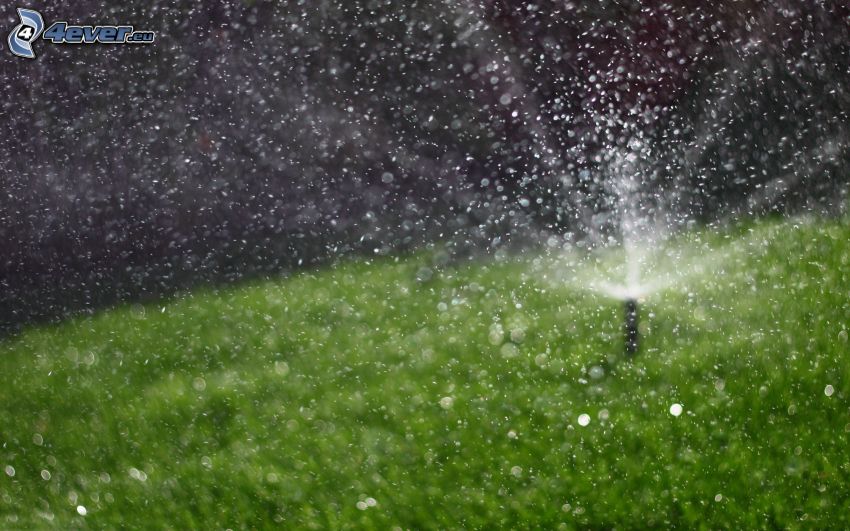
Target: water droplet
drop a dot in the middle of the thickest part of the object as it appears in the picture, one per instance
(81, 510)
(676, 410)
(828, 390)
(281, 368)
(10, 471)
(842, 336)
(446, 402)
(516, 471)
(137, 474)
(497, 334)
(583, 419)
(45, 475)
(509, 350)
(199, 384)
(424, 274)
(512, 434)
(718, 498)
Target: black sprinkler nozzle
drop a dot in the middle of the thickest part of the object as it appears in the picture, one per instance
(631, 327)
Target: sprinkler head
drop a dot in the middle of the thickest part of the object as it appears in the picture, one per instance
(631, 327)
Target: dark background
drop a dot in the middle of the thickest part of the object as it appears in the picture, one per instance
(256, 137)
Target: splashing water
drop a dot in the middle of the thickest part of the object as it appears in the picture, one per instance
(642, 267)
(638, 217)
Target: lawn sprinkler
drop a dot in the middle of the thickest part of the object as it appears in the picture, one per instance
(631, 327)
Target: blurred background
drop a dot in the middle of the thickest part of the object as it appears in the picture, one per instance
(258, 137)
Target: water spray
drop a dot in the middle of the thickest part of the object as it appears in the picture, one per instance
(631, 326)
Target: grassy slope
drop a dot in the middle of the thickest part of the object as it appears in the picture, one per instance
(291, 401)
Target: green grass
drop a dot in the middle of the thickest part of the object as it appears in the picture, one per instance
(359, 396)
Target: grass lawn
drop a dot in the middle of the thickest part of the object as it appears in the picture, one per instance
(396, 393)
